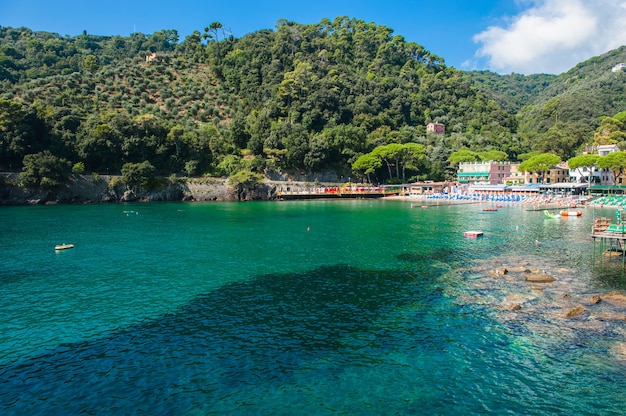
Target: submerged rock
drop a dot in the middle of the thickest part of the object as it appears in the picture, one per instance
(539, 278)
(611, 316)
(519, 269)
(573, 312)
(615, 298)
(595, 299)
(514, 301)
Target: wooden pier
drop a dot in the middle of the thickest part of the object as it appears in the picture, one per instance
(610, 236)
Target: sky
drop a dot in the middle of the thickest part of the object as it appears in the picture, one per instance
(504, 36)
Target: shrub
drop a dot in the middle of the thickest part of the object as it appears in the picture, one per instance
(247, 178)
(78, 168)
(136, 174)
(44, 170)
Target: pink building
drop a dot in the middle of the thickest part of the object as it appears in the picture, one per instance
(483, 173)
(436, 128)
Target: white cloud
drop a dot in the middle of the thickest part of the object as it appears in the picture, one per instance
(552, 36)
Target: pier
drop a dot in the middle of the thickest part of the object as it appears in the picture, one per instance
(610, 236)
(334, 192)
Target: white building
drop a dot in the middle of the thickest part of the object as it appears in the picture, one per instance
(598, 176)
(619, 67)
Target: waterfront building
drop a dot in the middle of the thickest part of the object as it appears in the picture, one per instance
(485, 173)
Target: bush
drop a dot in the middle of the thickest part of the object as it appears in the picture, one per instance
(44, 170)
(78, 168)
(115, 182)
(247, 178)
(137, 174)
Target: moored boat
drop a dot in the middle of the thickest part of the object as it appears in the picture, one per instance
(571, 213)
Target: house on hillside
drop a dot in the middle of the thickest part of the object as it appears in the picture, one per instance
(605, 149)
(436, 128)
(619, 67)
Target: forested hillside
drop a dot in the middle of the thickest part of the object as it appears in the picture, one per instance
(561, 114)
(299, 99)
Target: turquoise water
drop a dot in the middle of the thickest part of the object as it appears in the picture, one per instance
(317, 307)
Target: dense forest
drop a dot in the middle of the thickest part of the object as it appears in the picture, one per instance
(339, 96)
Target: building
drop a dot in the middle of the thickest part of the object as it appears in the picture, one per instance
(592, 174)
(436, 128)
(619, 67)
(485, 173)
(556, 174)
(515, 177)
(605, 149)
(423, 188)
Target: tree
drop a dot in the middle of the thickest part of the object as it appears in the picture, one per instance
(558, 139)
(494, 156)
(367, 164)
(540, 164)
(463, 155)
(136, 174)
(90, 63)
(19, 130)
(410, 155)
(389, 153)
(612, 130)
(44, 170)
(615, 161)
(583, 161)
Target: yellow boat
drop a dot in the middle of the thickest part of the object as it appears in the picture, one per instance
(63, 246)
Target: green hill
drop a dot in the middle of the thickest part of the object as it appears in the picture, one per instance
(296, 100)
(560, 113)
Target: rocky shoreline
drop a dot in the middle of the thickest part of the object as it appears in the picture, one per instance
(86, 189)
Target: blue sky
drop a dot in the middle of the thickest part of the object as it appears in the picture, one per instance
(522, 36)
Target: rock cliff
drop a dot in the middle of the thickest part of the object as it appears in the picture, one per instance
(104, 188)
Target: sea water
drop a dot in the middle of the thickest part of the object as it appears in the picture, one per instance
(320, 307)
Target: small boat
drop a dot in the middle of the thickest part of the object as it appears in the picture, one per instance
(63, 246)
(473, 234)
(490, 209)
(571, 213)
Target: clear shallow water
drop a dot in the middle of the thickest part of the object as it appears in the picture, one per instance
(353, 307)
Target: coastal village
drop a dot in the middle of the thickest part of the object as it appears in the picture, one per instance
(491, 180)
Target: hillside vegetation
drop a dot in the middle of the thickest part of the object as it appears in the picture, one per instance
(561, 114)
(297, 100)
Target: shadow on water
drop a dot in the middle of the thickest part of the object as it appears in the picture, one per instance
(443, 255)
(243, 334)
